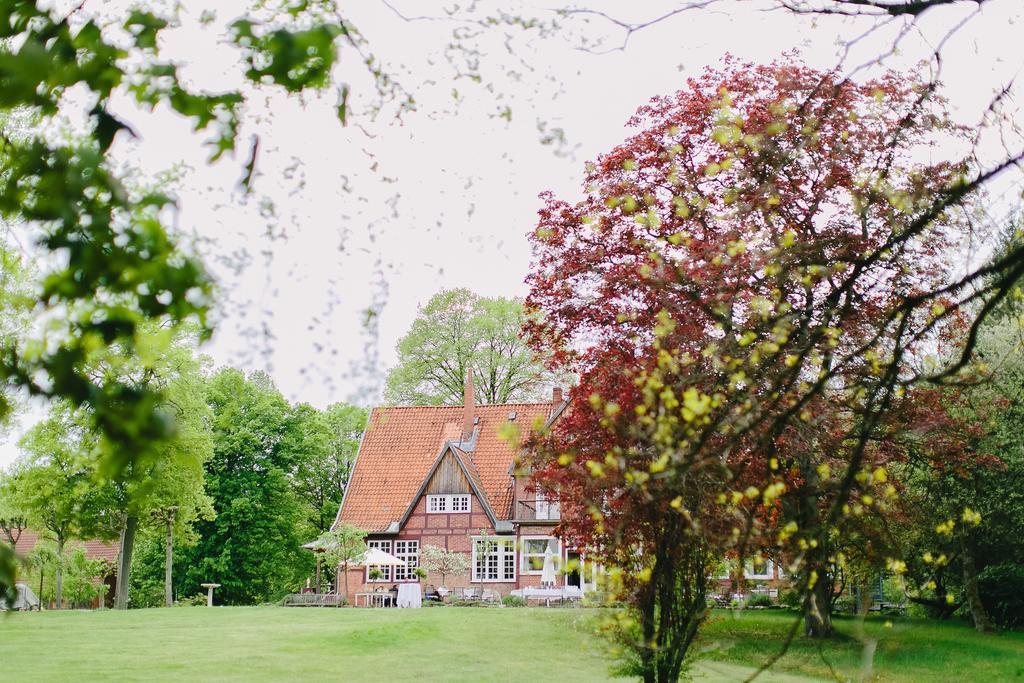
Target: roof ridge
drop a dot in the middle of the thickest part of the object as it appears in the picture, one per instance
(459, 408)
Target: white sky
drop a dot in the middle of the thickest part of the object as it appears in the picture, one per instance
(385, 212)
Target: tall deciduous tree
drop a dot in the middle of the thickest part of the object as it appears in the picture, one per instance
(252, 547)
(54, 483)
(458, 330)
(324, 445)
(743, 290)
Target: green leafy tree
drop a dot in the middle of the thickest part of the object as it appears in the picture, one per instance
(964, 517)
(53, 483)
(339, 546)
(324, 445)
(456, 331)
(84, 577)
(118, 265)
(252, 547)
(444, 562)
(42, 562)
(15, 300)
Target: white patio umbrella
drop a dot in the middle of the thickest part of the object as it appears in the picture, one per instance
(375, 557)
(547, 575)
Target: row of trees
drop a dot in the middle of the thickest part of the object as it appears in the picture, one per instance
(243, 481)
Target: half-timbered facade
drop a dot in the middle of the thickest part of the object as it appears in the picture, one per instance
(445, 476)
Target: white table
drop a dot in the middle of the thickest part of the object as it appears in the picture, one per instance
(549, 594)
(410, 595)
(374, 598)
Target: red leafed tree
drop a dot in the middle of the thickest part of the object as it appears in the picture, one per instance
(742, 289)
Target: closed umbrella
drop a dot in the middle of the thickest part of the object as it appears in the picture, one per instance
(547, 575)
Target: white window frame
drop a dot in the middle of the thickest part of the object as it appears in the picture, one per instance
(446, 504)
(380, 544)
(524, 562)
(506, 551)
(769, 572)
(410, 552)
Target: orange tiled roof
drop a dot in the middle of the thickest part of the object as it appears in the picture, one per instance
(94, 549)
(401, 444)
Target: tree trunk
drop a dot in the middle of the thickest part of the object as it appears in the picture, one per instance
(982, 622)
(124, 566)
(345, 598)
(169, 562)
(59, 595)
(818, 608)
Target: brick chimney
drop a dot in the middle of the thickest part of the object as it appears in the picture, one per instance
(556, 396)
(467, 407)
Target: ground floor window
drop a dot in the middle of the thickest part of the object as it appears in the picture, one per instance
(494, 559)
(535, 549)
(386, 571)
(410, 552)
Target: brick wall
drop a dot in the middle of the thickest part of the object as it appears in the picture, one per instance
(451, 531)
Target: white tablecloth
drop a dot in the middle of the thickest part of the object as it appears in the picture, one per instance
(570, 592)
(410, 595)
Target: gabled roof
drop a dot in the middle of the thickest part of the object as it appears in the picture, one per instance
(465, 463)
(402, 445)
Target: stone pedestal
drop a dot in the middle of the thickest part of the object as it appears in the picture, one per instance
(209, 592)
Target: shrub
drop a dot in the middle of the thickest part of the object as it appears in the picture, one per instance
(513, 601)
(194, 601)
(759, 600)
(1002, 592)
(846, 602)
(790, 598)
(598, 598)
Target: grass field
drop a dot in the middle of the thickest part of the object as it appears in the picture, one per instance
(456, 644)
(907, 650)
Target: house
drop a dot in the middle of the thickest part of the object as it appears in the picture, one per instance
(445, 476)
(763, 575)
(94, 550)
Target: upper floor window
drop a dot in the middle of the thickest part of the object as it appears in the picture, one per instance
(458, 502)
(759, 569)
(548, 506)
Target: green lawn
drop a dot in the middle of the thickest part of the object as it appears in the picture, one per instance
(905, 650)
(307, 644)
(453, 644)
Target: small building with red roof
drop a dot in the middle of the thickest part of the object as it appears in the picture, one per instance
(94, 550)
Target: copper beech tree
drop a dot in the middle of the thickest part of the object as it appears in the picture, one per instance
(745, 290)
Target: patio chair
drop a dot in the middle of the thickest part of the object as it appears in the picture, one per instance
(471, 593)
(430, 594)
(489, 595)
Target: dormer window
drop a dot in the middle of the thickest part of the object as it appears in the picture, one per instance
(448, 503)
